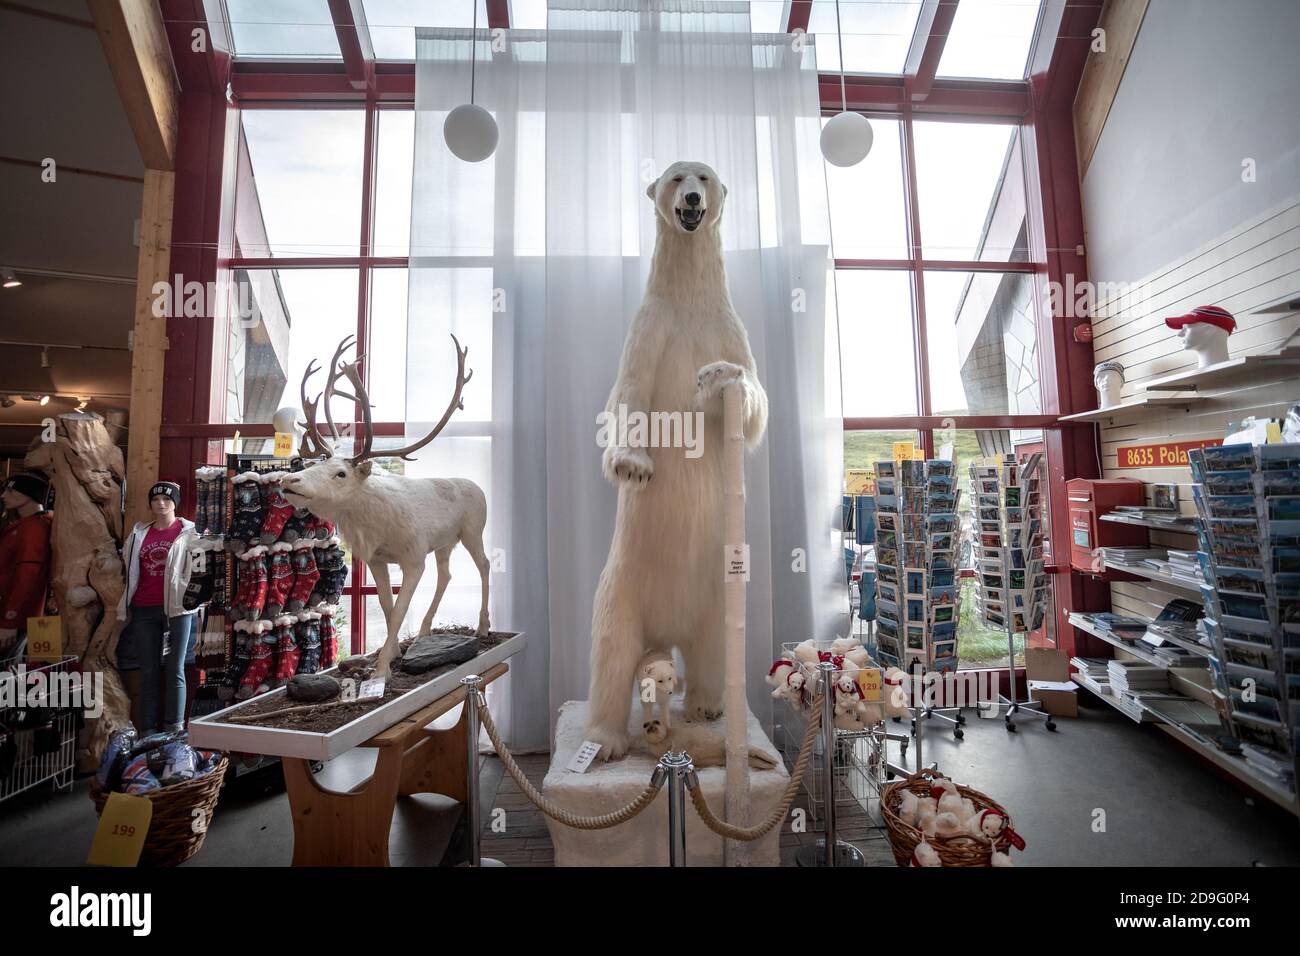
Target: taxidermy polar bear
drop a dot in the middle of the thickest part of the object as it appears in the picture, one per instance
(662, 583)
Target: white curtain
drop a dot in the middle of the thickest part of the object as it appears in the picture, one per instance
(558, 224)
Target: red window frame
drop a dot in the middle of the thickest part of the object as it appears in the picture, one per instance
(213, 82)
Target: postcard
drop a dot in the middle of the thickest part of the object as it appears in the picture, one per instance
(1229, 457)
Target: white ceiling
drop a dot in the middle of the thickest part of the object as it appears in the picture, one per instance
(61, 103)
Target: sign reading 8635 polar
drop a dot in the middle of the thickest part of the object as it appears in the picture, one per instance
(1164, 455)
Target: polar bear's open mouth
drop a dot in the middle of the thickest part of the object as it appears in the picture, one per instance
(691, 218)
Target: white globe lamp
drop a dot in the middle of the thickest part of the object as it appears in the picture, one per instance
(846, 139)
(470, 132)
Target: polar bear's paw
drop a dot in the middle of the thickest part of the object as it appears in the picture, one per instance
(613, 744)
(712, 379)
(632, 466)
(700, 709)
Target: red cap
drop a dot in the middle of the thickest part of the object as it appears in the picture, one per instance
(1205, 313)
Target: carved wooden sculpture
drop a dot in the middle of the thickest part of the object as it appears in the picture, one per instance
(86, 470)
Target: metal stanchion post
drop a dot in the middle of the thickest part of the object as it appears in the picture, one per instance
(471, 685)
(828, 851)
(677, 766)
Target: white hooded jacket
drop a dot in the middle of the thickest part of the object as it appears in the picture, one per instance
(176, 575)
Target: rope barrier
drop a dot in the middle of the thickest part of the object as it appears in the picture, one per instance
(606, 820)
(732, 832)
(602, 822)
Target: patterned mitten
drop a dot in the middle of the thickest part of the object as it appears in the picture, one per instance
(259, 667)
(246, 523)
(217, 509)
(333, 574)
(280, 574)
(239, 664)
(296, 526)
(329, 648)
(307, 632)
(276, 510)
(286, 651)
(305, 575)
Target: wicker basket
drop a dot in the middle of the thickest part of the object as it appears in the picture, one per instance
(953, 851)
(171, 839)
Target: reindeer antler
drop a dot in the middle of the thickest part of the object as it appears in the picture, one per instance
(313, 444)
(462, 378)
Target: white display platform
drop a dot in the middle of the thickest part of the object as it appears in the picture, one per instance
(643, 840)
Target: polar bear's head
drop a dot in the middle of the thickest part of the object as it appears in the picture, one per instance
(688, 196)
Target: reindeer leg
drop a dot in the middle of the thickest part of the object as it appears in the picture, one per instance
(379, 571)
(474, 545)
(444, 575)
(411, 574)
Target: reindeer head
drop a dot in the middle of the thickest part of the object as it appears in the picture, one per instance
(333, 480)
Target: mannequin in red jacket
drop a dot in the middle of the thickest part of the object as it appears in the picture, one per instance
(24, 557)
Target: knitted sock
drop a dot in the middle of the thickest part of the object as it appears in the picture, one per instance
(296, 526)
(308, 635)
(199, 589)
(286, 651)
(277, 511)
(333, 574)
(201, 499)
(280, 572)
(220, 485)
(253, 569)
(259, 667)
(305, 575)
(319, 527)
(246, 523)
(329, 650)
(240, 661)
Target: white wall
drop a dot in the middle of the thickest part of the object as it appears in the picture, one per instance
(1210, 82)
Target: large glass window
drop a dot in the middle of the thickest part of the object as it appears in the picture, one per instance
(876, 34)
(877, 356)
(990, 39)
(970, 190)
(298, 192)
(290, 29)
(869, 214)
(983, 343)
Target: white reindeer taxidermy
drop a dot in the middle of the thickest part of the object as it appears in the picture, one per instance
(386, 518)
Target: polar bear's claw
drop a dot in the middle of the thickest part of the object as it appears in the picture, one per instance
(712, 378)
(613, 745)
(628, 465)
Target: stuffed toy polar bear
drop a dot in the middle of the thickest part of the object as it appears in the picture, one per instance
(662, 583)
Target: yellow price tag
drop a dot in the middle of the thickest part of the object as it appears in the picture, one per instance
(859, 481)
(283, 444)
(122, 828)
(44, 638)
(870, 683)
(1274, 436)
(918, 454)
(904, 450)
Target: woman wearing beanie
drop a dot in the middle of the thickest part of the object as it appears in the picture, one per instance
(156, 557)
(24, 559)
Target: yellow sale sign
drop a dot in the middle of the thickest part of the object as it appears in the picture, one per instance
(122, 828)
(869, 682)
(904, 450)
(44, 638)
(283, 445)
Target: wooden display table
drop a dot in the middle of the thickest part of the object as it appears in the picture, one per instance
(350, 828)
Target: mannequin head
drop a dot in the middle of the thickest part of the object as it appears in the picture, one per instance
(1205, 332)
(25, 494)
(1108, 377)
(164, 497)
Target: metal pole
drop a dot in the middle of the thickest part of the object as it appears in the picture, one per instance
(828, 755)
(471, 685)
(677, 765)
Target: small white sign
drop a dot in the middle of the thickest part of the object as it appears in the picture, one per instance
(736, 561)
(370, 688)
(583, 758)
